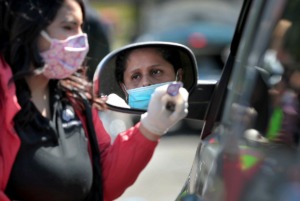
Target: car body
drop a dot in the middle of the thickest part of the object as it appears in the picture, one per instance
(247, 151)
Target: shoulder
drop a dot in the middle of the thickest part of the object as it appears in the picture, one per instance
(8, 101)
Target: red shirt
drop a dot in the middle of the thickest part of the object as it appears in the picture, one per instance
(122, 161)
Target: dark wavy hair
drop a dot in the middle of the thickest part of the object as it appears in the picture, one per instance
(21, 23)
(170, 54)
(20, 26)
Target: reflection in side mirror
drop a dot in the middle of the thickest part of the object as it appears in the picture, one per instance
(129, 75)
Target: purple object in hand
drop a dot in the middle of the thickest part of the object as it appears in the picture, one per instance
(173, 88)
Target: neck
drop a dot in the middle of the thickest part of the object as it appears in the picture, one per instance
(38, 85)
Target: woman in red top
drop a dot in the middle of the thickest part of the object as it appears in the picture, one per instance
(49, 150)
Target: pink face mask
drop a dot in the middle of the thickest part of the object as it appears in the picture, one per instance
(64, 56)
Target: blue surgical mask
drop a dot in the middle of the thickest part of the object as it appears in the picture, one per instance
(139, 97)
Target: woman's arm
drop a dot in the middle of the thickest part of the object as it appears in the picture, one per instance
(131, 151)
(123, 160)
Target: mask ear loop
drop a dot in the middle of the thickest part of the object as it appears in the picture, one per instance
(176, 76)
(46, 36)
(40, 70)
(125, 91)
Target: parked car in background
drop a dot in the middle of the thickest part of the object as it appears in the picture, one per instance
(206, 27)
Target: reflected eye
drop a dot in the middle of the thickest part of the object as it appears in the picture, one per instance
(135, 76)
(156, 72)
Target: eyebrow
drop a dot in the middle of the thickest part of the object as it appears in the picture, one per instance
(71, 18)
(152, 66)
(72, 21)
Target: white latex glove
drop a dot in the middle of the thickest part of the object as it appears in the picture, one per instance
(158, 119)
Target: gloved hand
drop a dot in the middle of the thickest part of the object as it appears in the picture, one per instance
(158, 119)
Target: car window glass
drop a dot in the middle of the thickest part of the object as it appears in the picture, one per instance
(266, 78)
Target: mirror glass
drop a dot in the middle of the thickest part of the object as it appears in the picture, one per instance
(130, 74)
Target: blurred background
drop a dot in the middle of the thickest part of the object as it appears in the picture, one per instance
(206, 27)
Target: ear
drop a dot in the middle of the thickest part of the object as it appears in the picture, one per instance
(179, 74)
(124, 90)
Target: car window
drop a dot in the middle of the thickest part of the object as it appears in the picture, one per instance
(259, 130)
(265, 76)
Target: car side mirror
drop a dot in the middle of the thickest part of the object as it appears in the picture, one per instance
(124, 69)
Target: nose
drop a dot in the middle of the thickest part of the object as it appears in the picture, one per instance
(146, 81)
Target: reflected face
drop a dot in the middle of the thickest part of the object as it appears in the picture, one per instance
(146, 66)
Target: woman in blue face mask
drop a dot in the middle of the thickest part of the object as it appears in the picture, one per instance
(141, 70)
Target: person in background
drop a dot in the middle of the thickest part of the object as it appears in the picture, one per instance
(285, 94)
(98, 37)
(53, 146)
